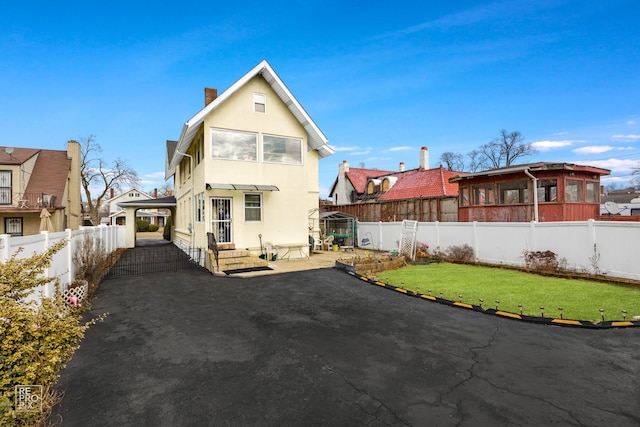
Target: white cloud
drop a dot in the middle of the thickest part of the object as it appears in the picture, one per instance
(628, 137)
(550, 145)
(593, 149)
(360, 153)
(336, 148)
(402, 148)
(561, 133)
(155, 175)
(617, 165)
(631, 122)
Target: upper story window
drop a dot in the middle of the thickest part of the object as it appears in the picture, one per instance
(547, 190)
(280, 149)
(5, 187)
(259, 103)
(234, 145)
(573, 191)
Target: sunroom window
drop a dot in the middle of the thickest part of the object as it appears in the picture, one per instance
(573, 191)
(512, 193)
(547, 190)
(483, 194)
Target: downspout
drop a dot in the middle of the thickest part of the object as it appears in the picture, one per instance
(535, 193)
(190, 227)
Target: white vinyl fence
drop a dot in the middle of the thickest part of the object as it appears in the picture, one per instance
(611, 247)
(62, 266)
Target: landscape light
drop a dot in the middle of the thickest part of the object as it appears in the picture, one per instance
(481, 301)
(460, 298)
(441, 294)
(541, 311)
(560, 310)
(497, 302)
(624, 314)
(429, 292)
(602, 313)
(520, 307)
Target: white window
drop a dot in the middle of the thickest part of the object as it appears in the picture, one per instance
(280, 149)
(233, 145)
(259, 103)
(252, 207)
(13, 226)
(5, 187)
(200, 207)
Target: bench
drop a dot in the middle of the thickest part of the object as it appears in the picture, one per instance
(284, 250)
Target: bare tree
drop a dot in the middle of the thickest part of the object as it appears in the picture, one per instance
(452, 161)
(636, 176)
(505, 149)
(476, 161)
(99, 177)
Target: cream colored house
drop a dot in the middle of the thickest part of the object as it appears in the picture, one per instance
(247, 165)
(36, 183)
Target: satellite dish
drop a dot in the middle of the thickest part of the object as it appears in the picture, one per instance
(8, 150)
(611, 207)
(636, 200)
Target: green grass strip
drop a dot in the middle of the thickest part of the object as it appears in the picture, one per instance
(580, 299)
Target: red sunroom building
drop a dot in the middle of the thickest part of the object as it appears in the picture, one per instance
(541, 192)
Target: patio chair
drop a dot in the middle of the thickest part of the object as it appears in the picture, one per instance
(327, 242)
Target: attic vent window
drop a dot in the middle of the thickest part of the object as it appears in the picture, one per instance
(259, 102)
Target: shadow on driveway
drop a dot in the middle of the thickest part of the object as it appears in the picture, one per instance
(322, 348)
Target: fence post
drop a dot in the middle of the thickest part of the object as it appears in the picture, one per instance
(533, 232)
(5, 242)
(379, 235)
(436, 226)
(476, 244)
(71, 273)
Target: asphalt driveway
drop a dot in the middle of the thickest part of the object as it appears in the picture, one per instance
(323, 348)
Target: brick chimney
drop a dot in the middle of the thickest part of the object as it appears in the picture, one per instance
(155, 193)
(401, 168)
(111, 193)
(424, 158)
(210, 94)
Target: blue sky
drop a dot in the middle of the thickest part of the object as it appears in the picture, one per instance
(381, 79)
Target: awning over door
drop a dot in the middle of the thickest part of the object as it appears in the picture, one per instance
(245, 187)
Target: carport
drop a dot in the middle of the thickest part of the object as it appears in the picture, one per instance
(131, 207)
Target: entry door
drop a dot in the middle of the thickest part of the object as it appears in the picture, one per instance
(221, 219)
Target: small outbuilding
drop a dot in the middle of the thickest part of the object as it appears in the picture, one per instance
(343, 227)
(541, 192)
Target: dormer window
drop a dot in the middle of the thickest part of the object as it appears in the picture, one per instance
(373, 186)
(259, 102)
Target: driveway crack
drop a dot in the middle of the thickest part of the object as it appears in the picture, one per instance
(380, 403)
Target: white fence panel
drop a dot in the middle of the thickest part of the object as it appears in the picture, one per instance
(612, 248)
(62, 265)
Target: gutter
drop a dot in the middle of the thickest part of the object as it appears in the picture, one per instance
(535, 193)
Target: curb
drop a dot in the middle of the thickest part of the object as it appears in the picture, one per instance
(608, 324)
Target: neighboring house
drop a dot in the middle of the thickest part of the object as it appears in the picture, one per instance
(563, 192)
(246, 167)
(34, 182)
(420, 194)
(117, 213)
(622, 203)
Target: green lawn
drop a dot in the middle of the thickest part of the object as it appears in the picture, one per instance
(580, 299)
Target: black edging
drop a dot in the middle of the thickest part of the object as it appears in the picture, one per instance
(350, 269)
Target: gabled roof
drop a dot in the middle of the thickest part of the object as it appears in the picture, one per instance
(122, 194)
(50, 173)
(18, 156)
(316, 139)
(421, 183)
(359, 177)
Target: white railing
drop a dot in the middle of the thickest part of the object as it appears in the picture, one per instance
(62, 266)
(611, 247)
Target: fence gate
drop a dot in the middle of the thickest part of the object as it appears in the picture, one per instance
(151, 259)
